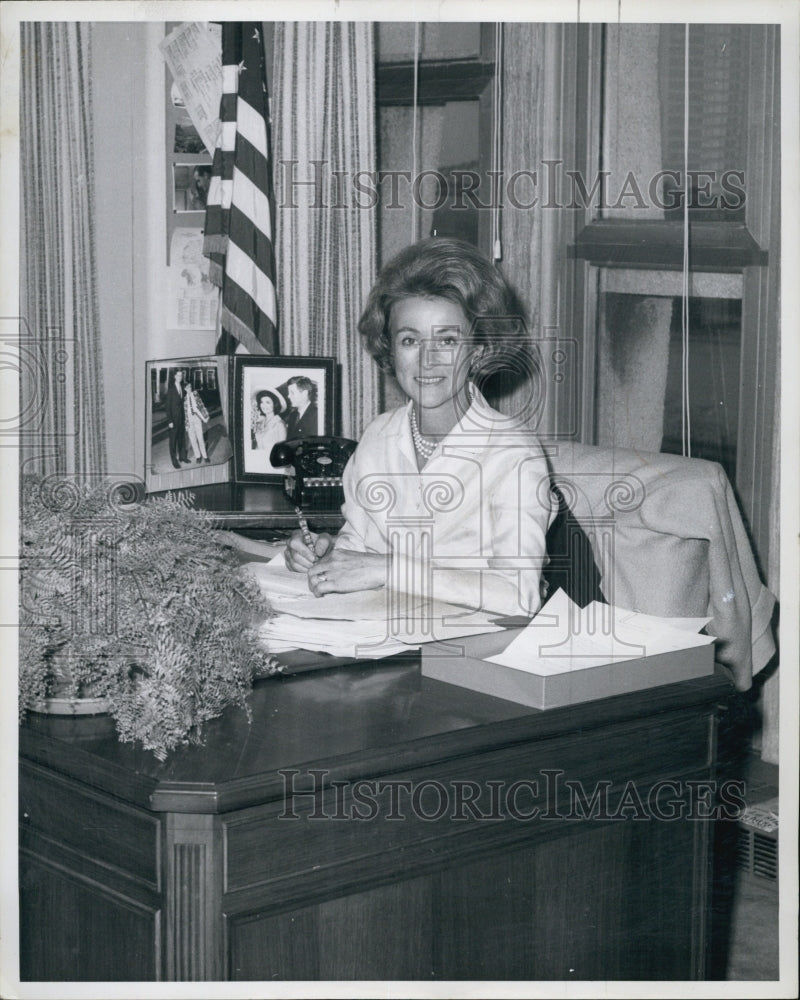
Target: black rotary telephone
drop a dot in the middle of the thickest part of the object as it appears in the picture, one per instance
(318, 464)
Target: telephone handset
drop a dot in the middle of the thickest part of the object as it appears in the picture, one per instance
(318, 464)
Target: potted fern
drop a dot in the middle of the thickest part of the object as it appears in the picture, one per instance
(138, 604)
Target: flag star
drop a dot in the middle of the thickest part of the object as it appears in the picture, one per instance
(242, 66)
(256, 34)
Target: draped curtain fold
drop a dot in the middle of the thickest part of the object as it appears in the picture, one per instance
(323, 117)
(61, 370)
(534, 240)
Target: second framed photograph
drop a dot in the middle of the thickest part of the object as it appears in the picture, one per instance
(278, 399)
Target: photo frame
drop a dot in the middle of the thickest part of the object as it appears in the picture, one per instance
(174, 448)
(278, 399)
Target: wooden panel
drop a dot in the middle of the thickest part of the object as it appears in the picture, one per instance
(95, 826)
(193, 933)
(383, 933)
(72, 930)
(266, 845)
(598, 902)
(606, 902)
(275, 947)
(186, 944)
(499, 943)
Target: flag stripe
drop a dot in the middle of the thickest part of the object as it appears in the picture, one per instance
(251, 126)
(241, 331)
(227, 143)
(223, 163)
(251, 163)
(249, 238)
(221, 192)
(227, 106)
(230, 76)
(239, 230)
(253, 205)
(240, 269)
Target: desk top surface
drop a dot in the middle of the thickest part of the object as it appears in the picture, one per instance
(353, 720)
(242, 506)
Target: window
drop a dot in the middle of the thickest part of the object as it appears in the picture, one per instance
(628, 244)
(453, 132)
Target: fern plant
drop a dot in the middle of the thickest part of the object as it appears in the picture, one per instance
(136, 602)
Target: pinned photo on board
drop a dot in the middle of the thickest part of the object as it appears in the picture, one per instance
(190, 186)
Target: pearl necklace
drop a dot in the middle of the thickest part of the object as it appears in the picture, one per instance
(427, 446)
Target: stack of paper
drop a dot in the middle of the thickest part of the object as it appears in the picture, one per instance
(564, 638)
(568, 654)
(363, 624)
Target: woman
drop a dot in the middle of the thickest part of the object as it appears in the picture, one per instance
(441, 495)
(268, 427)
(196, 416)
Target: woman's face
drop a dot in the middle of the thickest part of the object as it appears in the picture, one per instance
(266, 406)
(430, 349)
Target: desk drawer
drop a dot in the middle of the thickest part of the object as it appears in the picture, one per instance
(520, 792)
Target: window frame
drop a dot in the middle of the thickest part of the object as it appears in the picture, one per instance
(440, 81)
(751, 250)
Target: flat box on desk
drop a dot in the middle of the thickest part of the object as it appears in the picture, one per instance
(472, 670)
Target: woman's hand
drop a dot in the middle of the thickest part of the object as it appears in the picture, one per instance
(300, 557)
(342, 571)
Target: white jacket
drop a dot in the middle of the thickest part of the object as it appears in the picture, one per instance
(467, 529)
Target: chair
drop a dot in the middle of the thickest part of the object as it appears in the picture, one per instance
(668, 539)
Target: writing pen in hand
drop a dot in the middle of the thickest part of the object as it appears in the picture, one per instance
(307, 537)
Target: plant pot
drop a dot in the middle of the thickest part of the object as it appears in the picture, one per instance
(71, 706)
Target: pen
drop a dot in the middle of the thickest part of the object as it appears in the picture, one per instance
(304, 528)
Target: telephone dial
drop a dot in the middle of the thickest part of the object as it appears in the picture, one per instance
(317, 463)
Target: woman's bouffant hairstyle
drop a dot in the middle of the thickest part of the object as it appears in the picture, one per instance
(445, 268)
(277, 403)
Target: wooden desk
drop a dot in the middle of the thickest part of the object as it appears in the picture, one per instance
(194, 869)
(255, 508)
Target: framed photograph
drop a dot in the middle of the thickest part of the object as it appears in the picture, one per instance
(278, 399)
(187, 440)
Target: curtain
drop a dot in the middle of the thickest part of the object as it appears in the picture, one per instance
(771, 696)
(323, 118)
(61, 364)
(534, 239)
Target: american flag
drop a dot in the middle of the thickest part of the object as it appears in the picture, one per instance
(239, 209)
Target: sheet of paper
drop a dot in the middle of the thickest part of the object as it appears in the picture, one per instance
(362, 623)
(192, 298)
(193, 52)
(288, 593)
(277, 580)
(357, 639)
(564, 637)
